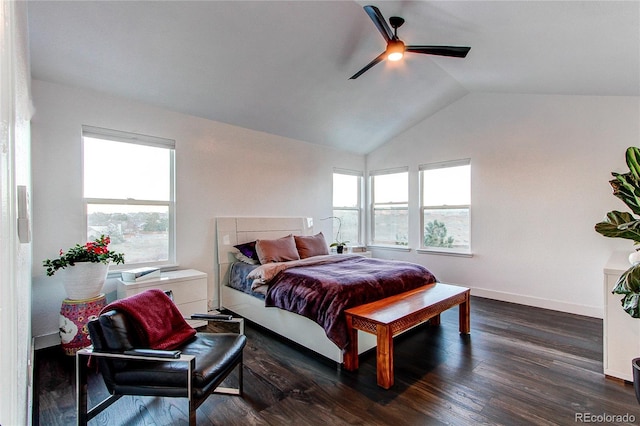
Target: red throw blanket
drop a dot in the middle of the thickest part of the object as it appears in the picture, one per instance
(156, 318)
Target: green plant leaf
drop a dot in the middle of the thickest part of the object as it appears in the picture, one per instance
(629, 281)
(620, 225)
(631, 304)
(340, 243)
(627, 189)
(629, 285)
(633, 161)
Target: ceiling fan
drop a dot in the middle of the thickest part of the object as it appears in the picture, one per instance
(396, 47)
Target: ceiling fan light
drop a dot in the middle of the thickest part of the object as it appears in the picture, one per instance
(395, 50)
(395, 56)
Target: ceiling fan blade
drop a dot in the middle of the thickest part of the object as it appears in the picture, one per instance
(380, 23)
(455, 51)
(378, 59)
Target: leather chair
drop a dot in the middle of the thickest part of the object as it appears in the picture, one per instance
(202, 365)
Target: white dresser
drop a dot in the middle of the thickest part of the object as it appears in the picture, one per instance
(188, 286)
(621, 333)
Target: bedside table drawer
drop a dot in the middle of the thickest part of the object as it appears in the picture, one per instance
(185, 291)
(188, 289)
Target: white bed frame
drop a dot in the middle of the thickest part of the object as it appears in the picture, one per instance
(238, 230)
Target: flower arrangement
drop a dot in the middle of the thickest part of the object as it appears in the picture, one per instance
(93, 251)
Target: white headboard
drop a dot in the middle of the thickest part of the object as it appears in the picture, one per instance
(237, 230)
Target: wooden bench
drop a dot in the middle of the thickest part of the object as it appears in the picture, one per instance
(391, 316)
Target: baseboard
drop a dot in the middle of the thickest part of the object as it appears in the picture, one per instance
(554, 305)
(46, 341)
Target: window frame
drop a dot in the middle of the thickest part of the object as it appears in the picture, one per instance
(372, 208)
(433, 166)
(358, 209)
(137, 139)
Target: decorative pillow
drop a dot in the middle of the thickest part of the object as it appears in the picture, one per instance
(279, 250)
(309, 246)
(248, 250)
(242, 258)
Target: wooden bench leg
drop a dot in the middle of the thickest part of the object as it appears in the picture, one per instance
(350, 355)
(435, 321)
(384, 352)
(465, 315)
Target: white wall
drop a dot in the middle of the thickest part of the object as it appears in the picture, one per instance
(222, 170)
(540, 168)
(15, 255)
(540, 171)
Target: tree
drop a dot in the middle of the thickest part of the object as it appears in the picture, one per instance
(435, 235)
(155, 223)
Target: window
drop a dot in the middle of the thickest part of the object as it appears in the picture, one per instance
(390, 207)
(446, 206)
(129, 194)
(347, 206)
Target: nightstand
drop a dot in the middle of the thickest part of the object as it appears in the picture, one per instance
(188, 288)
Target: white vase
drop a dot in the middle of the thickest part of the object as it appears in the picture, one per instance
(634, 257)
(84, 280)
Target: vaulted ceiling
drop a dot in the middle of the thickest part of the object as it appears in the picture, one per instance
(283, 67)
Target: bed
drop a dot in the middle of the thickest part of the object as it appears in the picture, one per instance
(314, 277)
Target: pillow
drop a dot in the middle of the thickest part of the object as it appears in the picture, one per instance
(248, 250)
(242, 258)
(279, 250)
(309, 246)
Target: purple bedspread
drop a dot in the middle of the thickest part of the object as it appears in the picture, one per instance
(323, 292)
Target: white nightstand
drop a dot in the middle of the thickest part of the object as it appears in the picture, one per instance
(188, 288)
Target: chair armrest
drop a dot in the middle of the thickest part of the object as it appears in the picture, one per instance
(218, 318)
(154, 352)
(130, 356)
(212, 317)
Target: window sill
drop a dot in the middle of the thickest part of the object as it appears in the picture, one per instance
(444, 253)
(392, 248)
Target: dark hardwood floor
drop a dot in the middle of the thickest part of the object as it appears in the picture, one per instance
(520, 366)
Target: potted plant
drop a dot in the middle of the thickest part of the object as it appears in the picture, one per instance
(85, 267)
(625, 225)
(339, 245)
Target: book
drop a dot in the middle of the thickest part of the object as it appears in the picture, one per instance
(140, 274)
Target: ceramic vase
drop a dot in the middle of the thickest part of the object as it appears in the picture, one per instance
(74, 316)
(84, 280)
